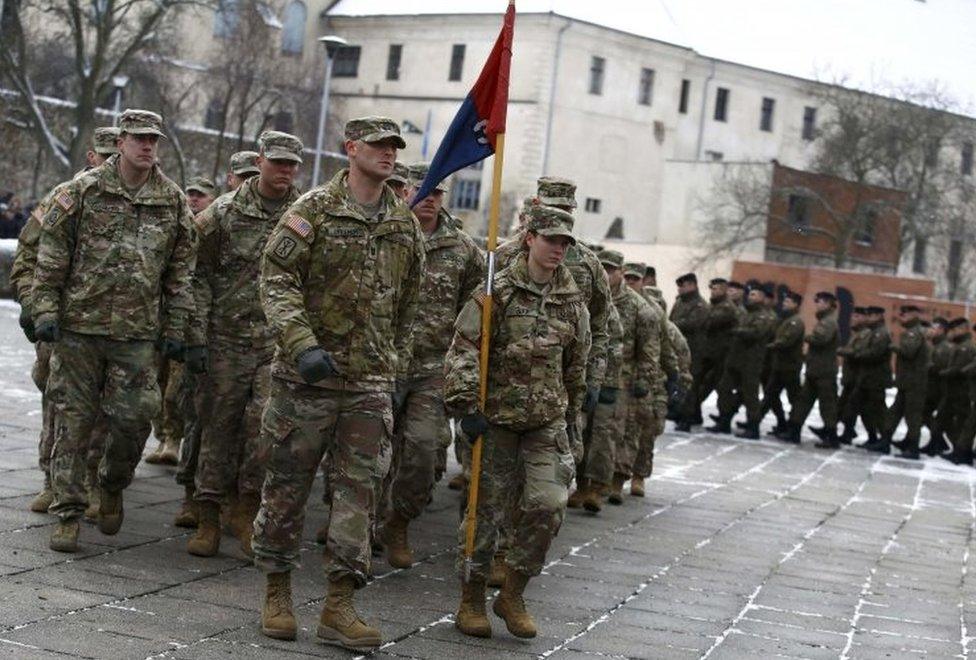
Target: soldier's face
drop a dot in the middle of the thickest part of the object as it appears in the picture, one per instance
(650, 280)
(935, 332)
(687, 287)
(277, 174)
(756, 297)
(94, 159)
(821, 305)
(138, 151)
(633, 282)
(373, 159)
(233, 181)
(718, 290)
(427, 209)
(789, 304)
(546, 252)
(198, 201)
(735, 294)
(614, 275)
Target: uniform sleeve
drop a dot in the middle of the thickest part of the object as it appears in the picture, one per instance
(207, 224)
(789, 334)
(407, 308)
(823, 334)
(575, 363)
(615, 336)
(177, 279)
(647, 349)
(875, 348)
(910, 344)
(721, 316)
(55, 248)
(461, 364)
(25, 258)
(474, 274)
(599, 309)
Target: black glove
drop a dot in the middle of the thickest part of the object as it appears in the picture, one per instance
(27, 325)
(314, 364)
(197, 359)
(639, 391)
(48, 331)
(171, 348)
(474, 425)
(608, 395)
(399, 398)
(592, 396)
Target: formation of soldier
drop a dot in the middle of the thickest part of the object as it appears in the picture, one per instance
(265, 335)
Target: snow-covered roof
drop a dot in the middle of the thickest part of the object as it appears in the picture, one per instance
(865, 42)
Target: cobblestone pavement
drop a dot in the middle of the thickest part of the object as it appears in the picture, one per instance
(740, 549)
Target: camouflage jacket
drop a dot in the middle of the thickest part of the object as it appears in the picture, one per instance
(666, 361)
(640, 355)
(787, 346)
(822, 346)
(723, 315)
(749, 339)
(455, 269)
(682, 357)
(333, 278)
(873, 357)
(654, 293)
(538, 351)
(591, 280)
(114, 263)
(233, 232)
(911, 357)
(615, 346)
(690, 313)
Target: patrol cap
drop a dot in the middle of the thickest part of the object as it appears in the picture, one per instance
(417, 173)
(733, 284)
(104, 140)
(795, 297)
(690, 278)
(940, 321)
(956, 322)
(275, 145)
(555, 191)
(825, 295)
(374, 129)
(141, 122)
(768, 290)
(925, 324)
(909, 309)
(717, 281)
(650, 271)
(550, 221)
(874, 309)
(244, 162)
(400, 174)
(860, 310)
(202, 184)
(611, 258)
(634, 269)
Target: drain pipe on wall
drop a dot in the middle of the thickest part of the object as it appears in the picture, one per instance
(704, 107)
(552, 96)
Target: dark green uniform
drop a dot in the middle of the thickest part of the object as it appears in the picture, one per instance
(850, 375)
(690, 314)
(820, 383)
(743, 367)
(956, 405)
(722, 316)
(911, 378)
(874, 363)
(935, 393)
(785, 362)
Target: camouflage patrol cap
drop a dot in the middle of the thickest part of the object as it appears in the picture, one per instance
(374, 129)
(244, 162)
(202, 184)
(417, 173)
(141, 122)
(550, 221)
(400, 174)
(555, 191)
(634, 269)
(611, 258)
(275, 145)
(104, 140)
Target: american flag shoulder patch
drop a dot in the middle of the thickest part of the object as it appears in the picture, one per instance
(300, 226)
(64, 200)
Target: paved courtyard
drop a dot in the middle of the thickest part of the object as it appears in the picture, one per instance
(741, 549)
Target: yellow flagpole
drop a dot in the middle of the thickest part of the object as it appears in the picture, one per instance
(471, 518)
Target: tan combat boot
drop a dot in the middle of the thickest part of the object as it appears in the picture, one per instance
(187, 515)
(206, 542)
(94, 503)
(42, 501)
(496, 573)
(247, 510)
(339, 622)
(169, 452)
(616, 489)
(593, 498)
(398, 554)
(64, 538)
(637, 486)
(277, 618)
(471, 618)
(510, 606)
(155, 457)
(575, 500)
(110, 512)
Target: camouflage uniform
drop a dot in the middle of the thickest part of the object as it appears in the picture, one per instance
(113, 271)
(786, 362)
(911, 376)
(606, 425)
(331, 277)
(540, 340)
(652, 416)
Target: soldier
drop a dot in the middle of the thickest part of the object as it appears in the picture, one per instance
(786, 361)
(539, 318)
(680, 380)
(847, 406)
(722, 317)
(935, 392)
(874, 360)
(690, 313)
(957, 406)
(737, 293)
(400, 181)
(229, 340)
(911, 376)
(650, 288)
(112, 279)
(243, 165)
(455, 268)
(340, 282)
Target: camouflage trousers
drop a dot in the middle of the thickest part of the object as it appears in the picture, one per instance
(168, 424)
(524, 475)
(304, 424)
(91, 374)
(233, 452)
(39, 373)
(638, 431)
(604, 430)
(193, 404)
(644, 461)
(419, 435)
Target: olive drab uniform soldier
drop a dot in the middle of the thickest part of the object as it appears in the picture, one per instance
(935, 393)
(956, 405)
(722, 317)
(873, 359)
(962, 369)
(850, 374)
(112, 280)
(786, 361)
(911, 378)
(690, 313)
(536, 379)
(230, 339)
(340, 285)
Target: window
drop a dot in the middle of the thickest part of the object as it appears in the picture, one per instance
(226, 18)
(457, 62)
(919, 257)
(466, 194)
(346, 64)
(393, 62)
(766, 115)
(721, 104)
(798, 212)
(683, 101)
(809, 123)
(645, 90)
(283, 121)
(213, 119)
(868, 223)
(592, 205)
(293, 32)
(967, 158)
(597, 64)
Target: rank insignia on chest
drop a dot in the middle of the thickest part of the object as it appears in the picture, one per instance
(299, 225)
(286, 245)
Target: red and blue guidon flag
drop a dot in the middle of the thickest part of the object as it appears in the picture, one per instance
(471, 136)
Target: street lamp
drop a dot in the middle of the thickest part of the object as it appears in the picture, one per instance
(332, 44)
(119, 81)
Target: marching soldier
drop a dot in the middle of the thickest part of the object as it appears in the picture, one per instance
(935, 392)
(958, 406)
(786, 361)
(911, 376)
(849, 404)
(874, 357)
(690, 313)
(721, 318)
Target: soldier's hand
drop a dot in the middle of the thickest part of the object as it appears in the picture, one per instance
(474, 425)
(639, 391)
(171, 348)
(197, 359)
(27, 324)
(592, 396)
(608, 395)
(48, 331)
(315, 364)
